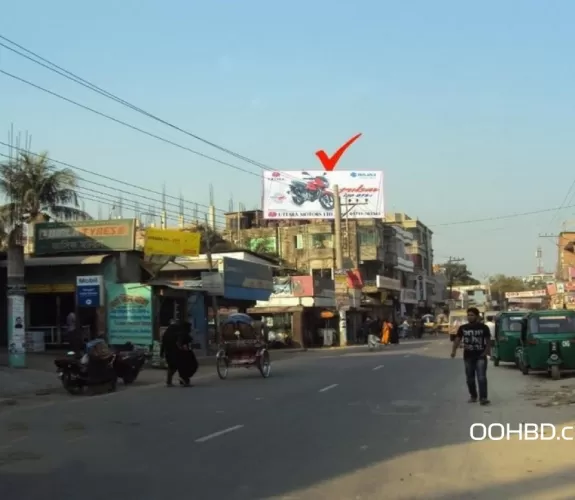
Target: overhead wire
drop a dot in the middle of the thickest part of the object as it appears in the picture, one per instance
(112, 179)
(87, 84)
(40, 60)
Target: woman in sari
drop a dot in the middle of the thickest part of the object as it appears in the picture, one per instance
(386, 331)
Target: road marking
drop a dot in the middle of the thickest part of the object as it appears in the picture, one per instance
(328, 387)
(218, 434)
(406, 356)
(379, 367)
(425, 348)
(78, 438)
(13, 442)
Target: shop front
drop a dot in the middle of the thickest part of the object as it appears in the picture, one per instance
(296, 311)
(69, 271)
(390, 290)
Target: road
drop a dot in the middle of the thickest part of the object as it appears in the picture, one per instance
(336, 424)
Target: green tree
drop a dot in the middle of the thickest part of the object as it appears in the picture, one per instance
(34, 191)
(501, 284)
(458, 275)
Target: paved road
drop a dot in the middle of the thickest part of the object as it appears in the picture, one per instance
(339, 425)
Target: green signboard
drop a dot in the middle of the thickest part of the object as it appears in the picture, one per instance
(113, 235)
(129, 314)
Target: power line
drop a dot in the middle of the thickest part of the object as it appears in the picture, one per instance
(126, 124)
(80, 169)
(500, 217)
(138, 129)
(89, 85)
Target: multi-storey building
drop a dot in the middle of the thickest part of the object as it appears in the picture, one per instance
(421, 253)
(382, 252)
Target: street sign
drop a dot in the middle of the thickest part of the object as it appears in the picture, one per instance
(89, 291)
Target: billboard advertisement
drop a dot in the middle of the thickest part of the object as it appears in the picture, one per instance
(309, 194)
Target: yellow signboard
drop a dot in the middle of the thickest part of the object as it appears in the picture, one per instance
(171, 242)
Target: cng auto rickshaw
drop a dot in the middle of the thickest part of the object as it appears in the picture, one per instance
(547, 342)
(507, 337)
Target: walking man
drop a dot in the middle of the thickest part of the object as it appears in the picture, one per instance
(476, 340)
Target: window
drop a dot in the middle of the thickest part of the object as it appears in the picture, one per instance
(321, 273)
(298, 241)
(367, 236)
(321, 240)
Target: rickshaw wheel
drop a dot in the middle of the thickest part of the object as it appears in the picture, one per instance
(264, 364)
(555, 372)
(222, 365)
(495, 361)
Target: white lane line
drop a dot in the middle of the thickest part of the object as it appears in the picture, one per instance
(218, 434)
(379, 367)
(406, 356)
(13, 442)
(328, 387)
(425, 348)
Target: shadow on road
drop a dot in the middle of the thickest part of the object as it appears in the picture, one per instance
(319, 455)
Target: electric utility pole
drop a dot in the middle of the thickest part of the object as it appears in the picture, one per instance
(339, 273)
(450, 274)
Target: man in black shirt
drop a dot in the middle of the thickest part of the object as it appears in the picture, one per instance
(476, 340)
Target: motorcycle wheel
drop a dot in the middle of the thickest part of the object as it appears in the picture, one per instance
(130, 378)
(327, 201)
(298, 199)
(72, 388)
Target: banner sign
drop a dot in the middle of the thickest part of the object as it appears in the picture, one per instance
(309, 195)
(114, 235)
(89, 291)
(129, 314)
(171, 242)
(528, 293)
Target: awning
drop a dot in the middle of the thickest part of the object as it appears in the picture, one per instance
(65, 260)
(189, 285)
(275, 310)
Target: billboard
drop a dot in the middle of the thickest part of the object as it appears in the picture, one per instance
(309, 195)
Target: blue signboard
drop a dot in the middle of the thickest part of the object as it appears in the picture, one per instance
(129, 314)
(89, 291)
(245, 280)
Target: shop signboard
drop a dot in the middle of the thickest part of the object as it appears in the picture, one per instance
(89, 291)
(171, 242)
(283, 286)
(289, 194)
(385, 283)
(526, 294)
(340, 278)
(113, 235)
(245, 280)
(129, 314)
(213, 283)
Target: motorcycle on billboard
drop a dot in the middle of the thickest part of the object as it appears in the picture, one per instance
(310, 189)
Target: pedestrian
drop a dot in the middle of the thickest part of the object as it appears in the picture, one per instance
(371, 333)
(491, 325)
(186, 358)
(475, 337)
(169, 351)
(75, 337)
(404, 329)
(394, 333)
(386, 331)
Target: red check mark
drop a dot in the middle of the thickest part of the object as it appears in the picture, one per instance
(330, 163)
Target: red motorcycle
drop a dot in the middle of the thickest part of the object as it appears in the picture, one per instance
(312, 188)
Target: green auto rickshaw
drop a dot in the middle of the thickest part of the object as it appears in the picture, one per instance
(547, 342)
(507, 337)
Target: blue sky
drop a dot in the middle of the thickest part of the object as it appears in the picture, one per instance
(468, 109)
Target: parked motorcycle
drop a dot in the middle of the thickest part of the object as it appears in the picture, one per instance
(76, 374)
(312, 189)
(129, 361)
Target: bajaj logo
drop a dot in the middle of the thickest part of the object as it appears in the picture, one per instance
(362, 174)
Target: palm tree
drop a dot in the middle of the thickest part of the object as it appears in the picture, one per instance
(34, 191)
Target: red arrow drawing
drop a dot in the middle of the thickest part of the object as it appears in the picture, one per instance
(329, 163)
